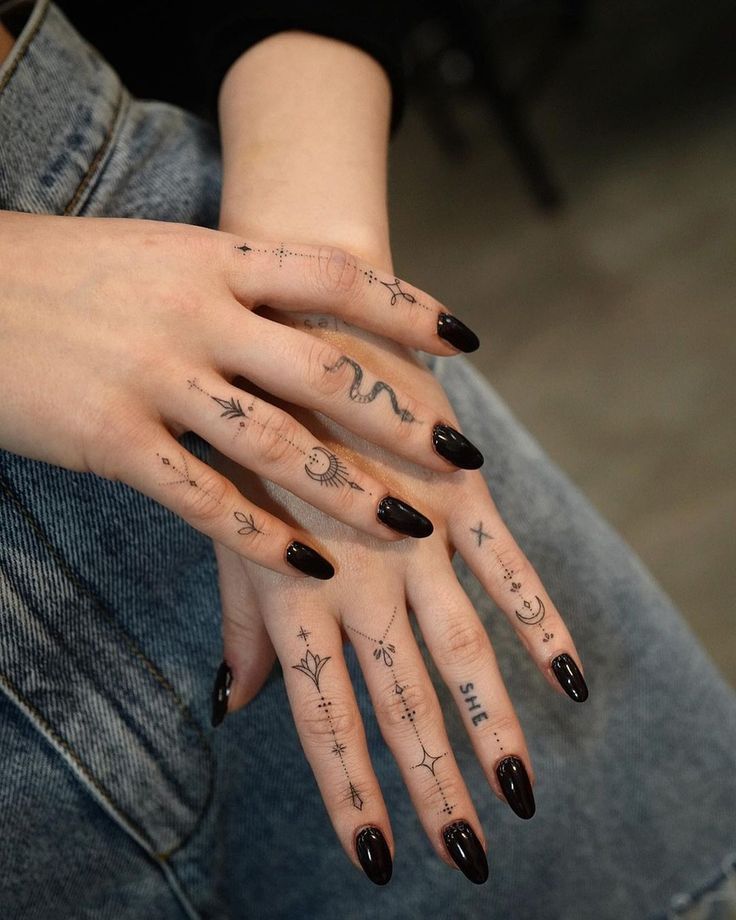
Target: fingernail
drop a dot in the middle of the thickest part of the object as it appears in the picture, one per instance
(516, 787)
(456, 333)
(221, 693)
(570, 679)
(374, 855)
(308, 560)
(456, 448)
(466, 851)
(401, 517)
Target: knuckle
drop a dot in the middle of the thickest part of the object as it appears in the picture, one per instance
(336, 272)
(275, 438)
(112, 432)
(203, 502)
(399, 712)
(462, 643)
(328, 374)
(316, 725)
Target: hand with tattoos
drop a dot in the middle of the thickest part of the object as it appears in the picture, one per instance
(139, 328)
(368, 604)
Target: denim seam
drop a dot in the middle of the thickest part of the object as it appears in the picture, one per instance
(83, 768)
(114, 704)
(133, 647)
(21, 47)
(102, 151)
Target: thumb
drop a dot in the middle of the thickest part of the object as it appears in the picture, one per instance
(248, 655)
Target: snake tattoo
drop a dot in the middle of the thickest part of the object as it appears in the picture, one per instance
(356, 396)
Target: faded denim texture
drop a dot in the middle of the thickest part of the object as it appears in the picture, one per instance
(117, 800)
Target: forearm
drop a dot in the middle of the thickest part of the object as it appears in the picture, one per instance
(304, 123)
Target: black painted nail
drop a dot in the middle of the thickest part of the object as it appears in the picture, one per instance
(401, 517)
(516, 787)
(456, 333)
(570, 679)
(466, 851)
(374, 855)
(308, 560)
(456, 448)
(221, 693)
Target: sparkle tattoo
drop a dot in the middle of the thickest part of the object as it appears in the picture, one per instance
(384, 653)
(312, 666)
(378, 387)
(532, 612)
(393, 287)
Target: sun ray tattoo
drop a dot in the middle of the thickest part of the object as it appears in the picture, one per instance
(322, 465)
(378, 387)
(327, 469)
(384, 653)
(532, 612)
(393, 287)
(311, 666)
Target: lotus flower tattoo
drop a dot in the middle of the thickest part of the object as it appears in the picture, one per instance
(312, 665)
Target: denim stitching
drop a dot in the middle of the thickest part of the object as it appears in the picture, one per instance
(81, 666)
(21, 49)
(92, 779)
(136, 651)
(98, 157)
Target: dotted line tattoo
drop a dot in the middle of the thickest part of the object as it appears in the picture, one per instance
(379, 386)
(532, 612)
(384, 653)
(312, 666)
(185, 478)
(394, 288)
(321, 464)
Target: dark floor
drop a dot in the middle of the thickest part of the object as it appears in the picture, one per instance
(610, 328)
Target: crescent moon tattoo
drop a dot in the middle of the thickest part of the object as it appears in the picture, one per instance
(535, 616)
(327, 469)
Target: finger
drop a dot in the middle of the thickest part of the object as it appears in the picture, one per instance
(313, 373)
(327, 279)
(331, 732)
(248, 655)
(411, 722)
(271, 443)
(462, 651)
(158, 466)
(491, 552)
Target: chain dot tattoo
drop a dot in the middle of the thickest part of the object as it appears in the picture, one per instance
(312, 666)
(394, 288)
(532, 611)
(384, 653)
(321, 465)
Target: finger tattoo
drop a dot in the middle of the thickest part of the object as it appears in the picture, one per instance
(385, 653)
(379, 386)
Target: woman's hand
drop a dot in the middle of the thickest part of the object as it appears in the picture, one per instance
(120, 335)
(367, 604)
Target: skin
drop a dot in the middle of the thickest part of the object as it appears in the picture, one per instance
(6, 42)
(315, 163)
(141, 327)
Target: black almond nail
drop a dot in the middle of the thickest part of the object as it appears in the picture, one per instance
(466, 851)
(516, 787)
(570, 679)
(401, 517)
(221, 693)
(308, 560)
(457, 333)
(456, 448)
(374, 855)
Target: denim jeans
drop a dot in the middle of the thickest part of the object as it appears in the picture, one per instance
(117, 799)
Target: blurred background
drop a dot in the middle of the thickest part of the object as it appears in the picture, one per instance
(565, 179)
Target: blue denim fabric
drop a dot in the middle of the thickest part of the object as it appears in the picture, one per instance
(117, 800)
